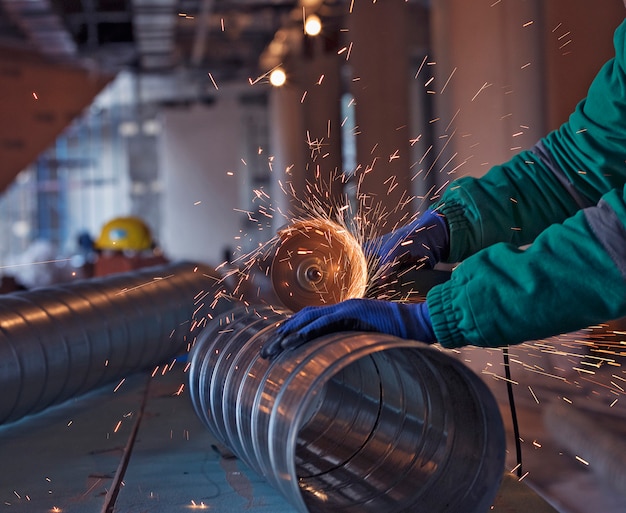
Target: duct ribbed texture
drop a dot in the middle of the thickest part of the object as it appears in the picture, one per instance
(350, 422)
(61, 341)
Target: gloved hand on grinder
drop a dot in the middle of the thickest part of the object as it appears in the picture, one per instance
(406, 320)
(423, 242)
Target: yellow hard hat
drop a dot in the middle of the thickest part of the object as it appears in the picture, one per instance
(125, 233)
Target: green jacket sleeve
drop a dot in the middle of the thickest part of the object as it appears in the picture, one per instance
(570, 277)
(565, 198)
(569, 169)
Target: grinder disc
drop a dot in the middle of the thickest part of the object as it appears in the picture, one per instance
(318, 262)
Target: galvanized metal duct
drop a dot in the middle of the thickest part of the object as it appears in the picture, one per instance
(59, 342)
(351, 422)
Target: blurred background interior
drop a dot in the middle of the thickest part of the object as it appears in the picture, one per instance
(163, 110)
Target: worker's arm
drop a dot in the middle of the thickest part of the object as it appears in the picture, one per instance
(571, 277)
(569, 169)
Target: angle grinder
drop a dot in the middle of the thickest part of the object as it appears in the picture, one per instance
(317, 262)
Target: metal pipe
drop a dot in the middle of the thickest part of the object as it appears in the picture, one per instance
(61, 341)
(350, 422)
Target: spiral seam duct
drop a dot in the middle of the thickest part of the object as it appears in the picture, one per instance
(62, 341)
(350, 422)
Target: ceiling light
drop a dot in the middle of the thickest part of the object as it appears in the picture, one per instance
(312, 25)
(278, 77)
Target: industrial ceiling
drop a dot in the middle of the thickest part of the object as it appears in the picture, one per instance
(224, 37)
(56, 55)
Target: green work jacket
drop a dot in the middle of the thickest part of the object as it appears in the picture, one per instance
(564, 201)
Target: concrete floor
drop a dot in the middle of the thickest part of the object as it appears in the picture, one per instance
(139, 447)
(564, 375)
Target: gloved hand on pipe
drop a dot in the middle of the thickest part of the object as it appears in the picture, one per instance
(406, 320)
(426, 239)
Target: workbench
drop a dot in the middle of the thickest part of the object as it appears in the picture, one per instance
(137, 446)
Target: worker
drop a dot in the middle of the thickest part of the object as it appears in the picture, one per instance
(541, 241)
(125, 244)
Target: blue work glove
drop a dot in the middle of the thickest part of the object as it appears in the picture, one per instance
(406, 320)
(425, 240)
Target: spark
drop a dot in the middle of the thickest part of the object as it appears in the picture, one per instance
(584, 462)
(35, 263)
(412, 142)
(119, 385)
(447, 81)
(213, 81)
(483, 87)
(35, 96)
(533, 394)
(583, 370)
(452, 120)
(195, 505)
(497, 376)
(421, 66)
(349, 50)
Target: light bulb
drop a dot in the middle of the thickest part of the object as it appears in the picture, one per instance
(312, 25)
(278, 77)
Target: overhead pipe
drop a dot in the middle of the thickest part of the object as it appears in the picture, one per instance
(349, 422)
(61, 341)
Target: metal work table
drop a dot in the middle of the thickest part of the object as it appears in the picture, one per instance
(137, 446)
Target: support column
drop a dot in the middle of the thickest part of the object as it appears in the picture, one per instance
(379, 62)
(305, 125)
(489, 69)
(516, 70)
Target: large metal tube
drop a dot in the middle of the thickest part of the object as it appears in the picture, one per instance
(351, 422)
(58, 342)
